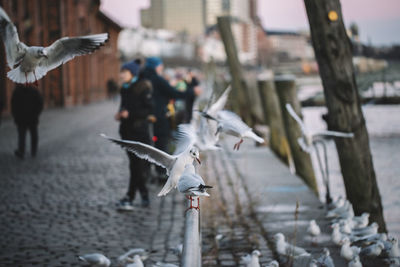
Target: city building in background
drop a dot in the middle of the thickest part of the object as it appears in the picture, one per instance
(41, 22)
(197, 18)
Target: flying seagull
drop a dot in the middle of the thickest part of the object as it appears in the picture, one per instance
(31, 63)
(306, 141)
(232, 124)
(192, 185)
(174, 164)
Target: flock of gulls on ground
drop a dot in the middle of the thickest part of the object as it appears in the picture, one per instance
(356, 238)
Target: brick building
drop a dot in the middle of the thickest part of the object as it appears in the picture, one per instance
(41, 22)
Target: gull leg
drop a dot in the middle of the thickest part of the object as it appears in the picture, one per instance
(26, 79)
(191, 202)
(198, 204)
(36, 82)
(237, 145)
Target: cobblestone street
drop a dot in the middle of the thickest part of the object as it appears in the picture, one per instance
(62, 203)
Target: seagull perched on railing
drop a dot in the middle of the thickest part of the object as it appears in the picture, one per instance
(232, 124)
(192, 185)
(307, 140)
(174, 164)
(30, 63)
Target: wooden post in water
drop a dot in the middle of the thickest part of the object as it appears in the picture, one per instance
(333, 51)
(273, 118)
(239, 87)
(286, 89)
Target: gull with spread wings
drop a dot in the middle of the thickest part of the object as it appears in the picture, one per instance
(307, 140)
(174, 164)
(31, 63)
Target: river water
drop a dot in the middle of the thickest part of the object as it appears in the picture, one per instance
(383, 123)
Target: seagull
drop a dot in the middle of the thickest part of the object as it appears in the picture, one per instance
(313, 229)
(272, 264)
(337, 236)
(174, 164)
(336, 204)
(251, 260)
(325, 259)
(124, 258)
(368, 230)
(394, 251)
(348, 252)
(232, 124)
(361, 221)
(373, 250)
(31, 63)
(192, 185)
(286, 249)
(136, 262)
(355, 262)
(95, 260)
(344, 211)
(369, 239)
(307, 140)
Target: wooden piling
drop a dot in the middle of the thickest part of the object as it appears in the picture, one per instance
(239, 87)
(273, 118)
(287, 93)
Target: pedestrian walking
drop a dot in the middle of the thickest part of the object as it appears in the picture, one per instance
(26, 106)
(163, 92)
(135, 114)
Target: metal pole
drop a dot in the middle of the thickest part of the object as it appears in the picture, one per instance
(191, 254)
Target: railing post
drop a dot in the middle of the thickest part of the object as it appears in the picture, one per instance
(191, 254)
(286, 89)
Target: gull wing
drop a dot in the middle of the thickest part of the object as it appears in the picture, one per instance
(146, 152)
(15, 50)
(231, 122)
(67, 48)
(326, 134)
(185, 137)
(220, 103)
(296, 117)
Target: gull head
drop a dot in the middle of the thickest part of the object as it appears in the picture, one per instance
(195, 154)
(326, 252)
(279, 237)
(256, 253)
(39, 52)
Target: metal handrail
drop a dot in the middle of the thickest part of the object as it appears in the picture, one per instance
(191, 253)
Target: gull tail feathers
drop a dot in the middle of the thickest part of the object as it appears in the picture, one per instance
(255, 137)
(167, 187)
(197, 193)
(17, 76)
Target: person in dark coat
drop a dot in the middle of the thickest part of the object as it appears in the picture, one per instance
(26, 106)
(135, 114)
(193, 90)
(163, 92)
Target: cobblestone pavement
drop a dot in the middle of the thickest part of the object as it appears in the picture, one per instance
(62, 203)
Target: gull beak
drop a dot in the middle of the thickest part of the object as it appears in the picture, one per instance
(198, 160)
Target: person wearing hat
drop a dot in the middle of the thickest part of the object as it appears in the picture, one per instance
(135, 114)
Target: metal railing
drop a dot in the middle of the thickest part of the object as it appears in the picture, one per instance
(191, 253)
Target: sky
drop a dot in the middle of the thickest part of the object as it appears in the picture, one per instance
(378, 20)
